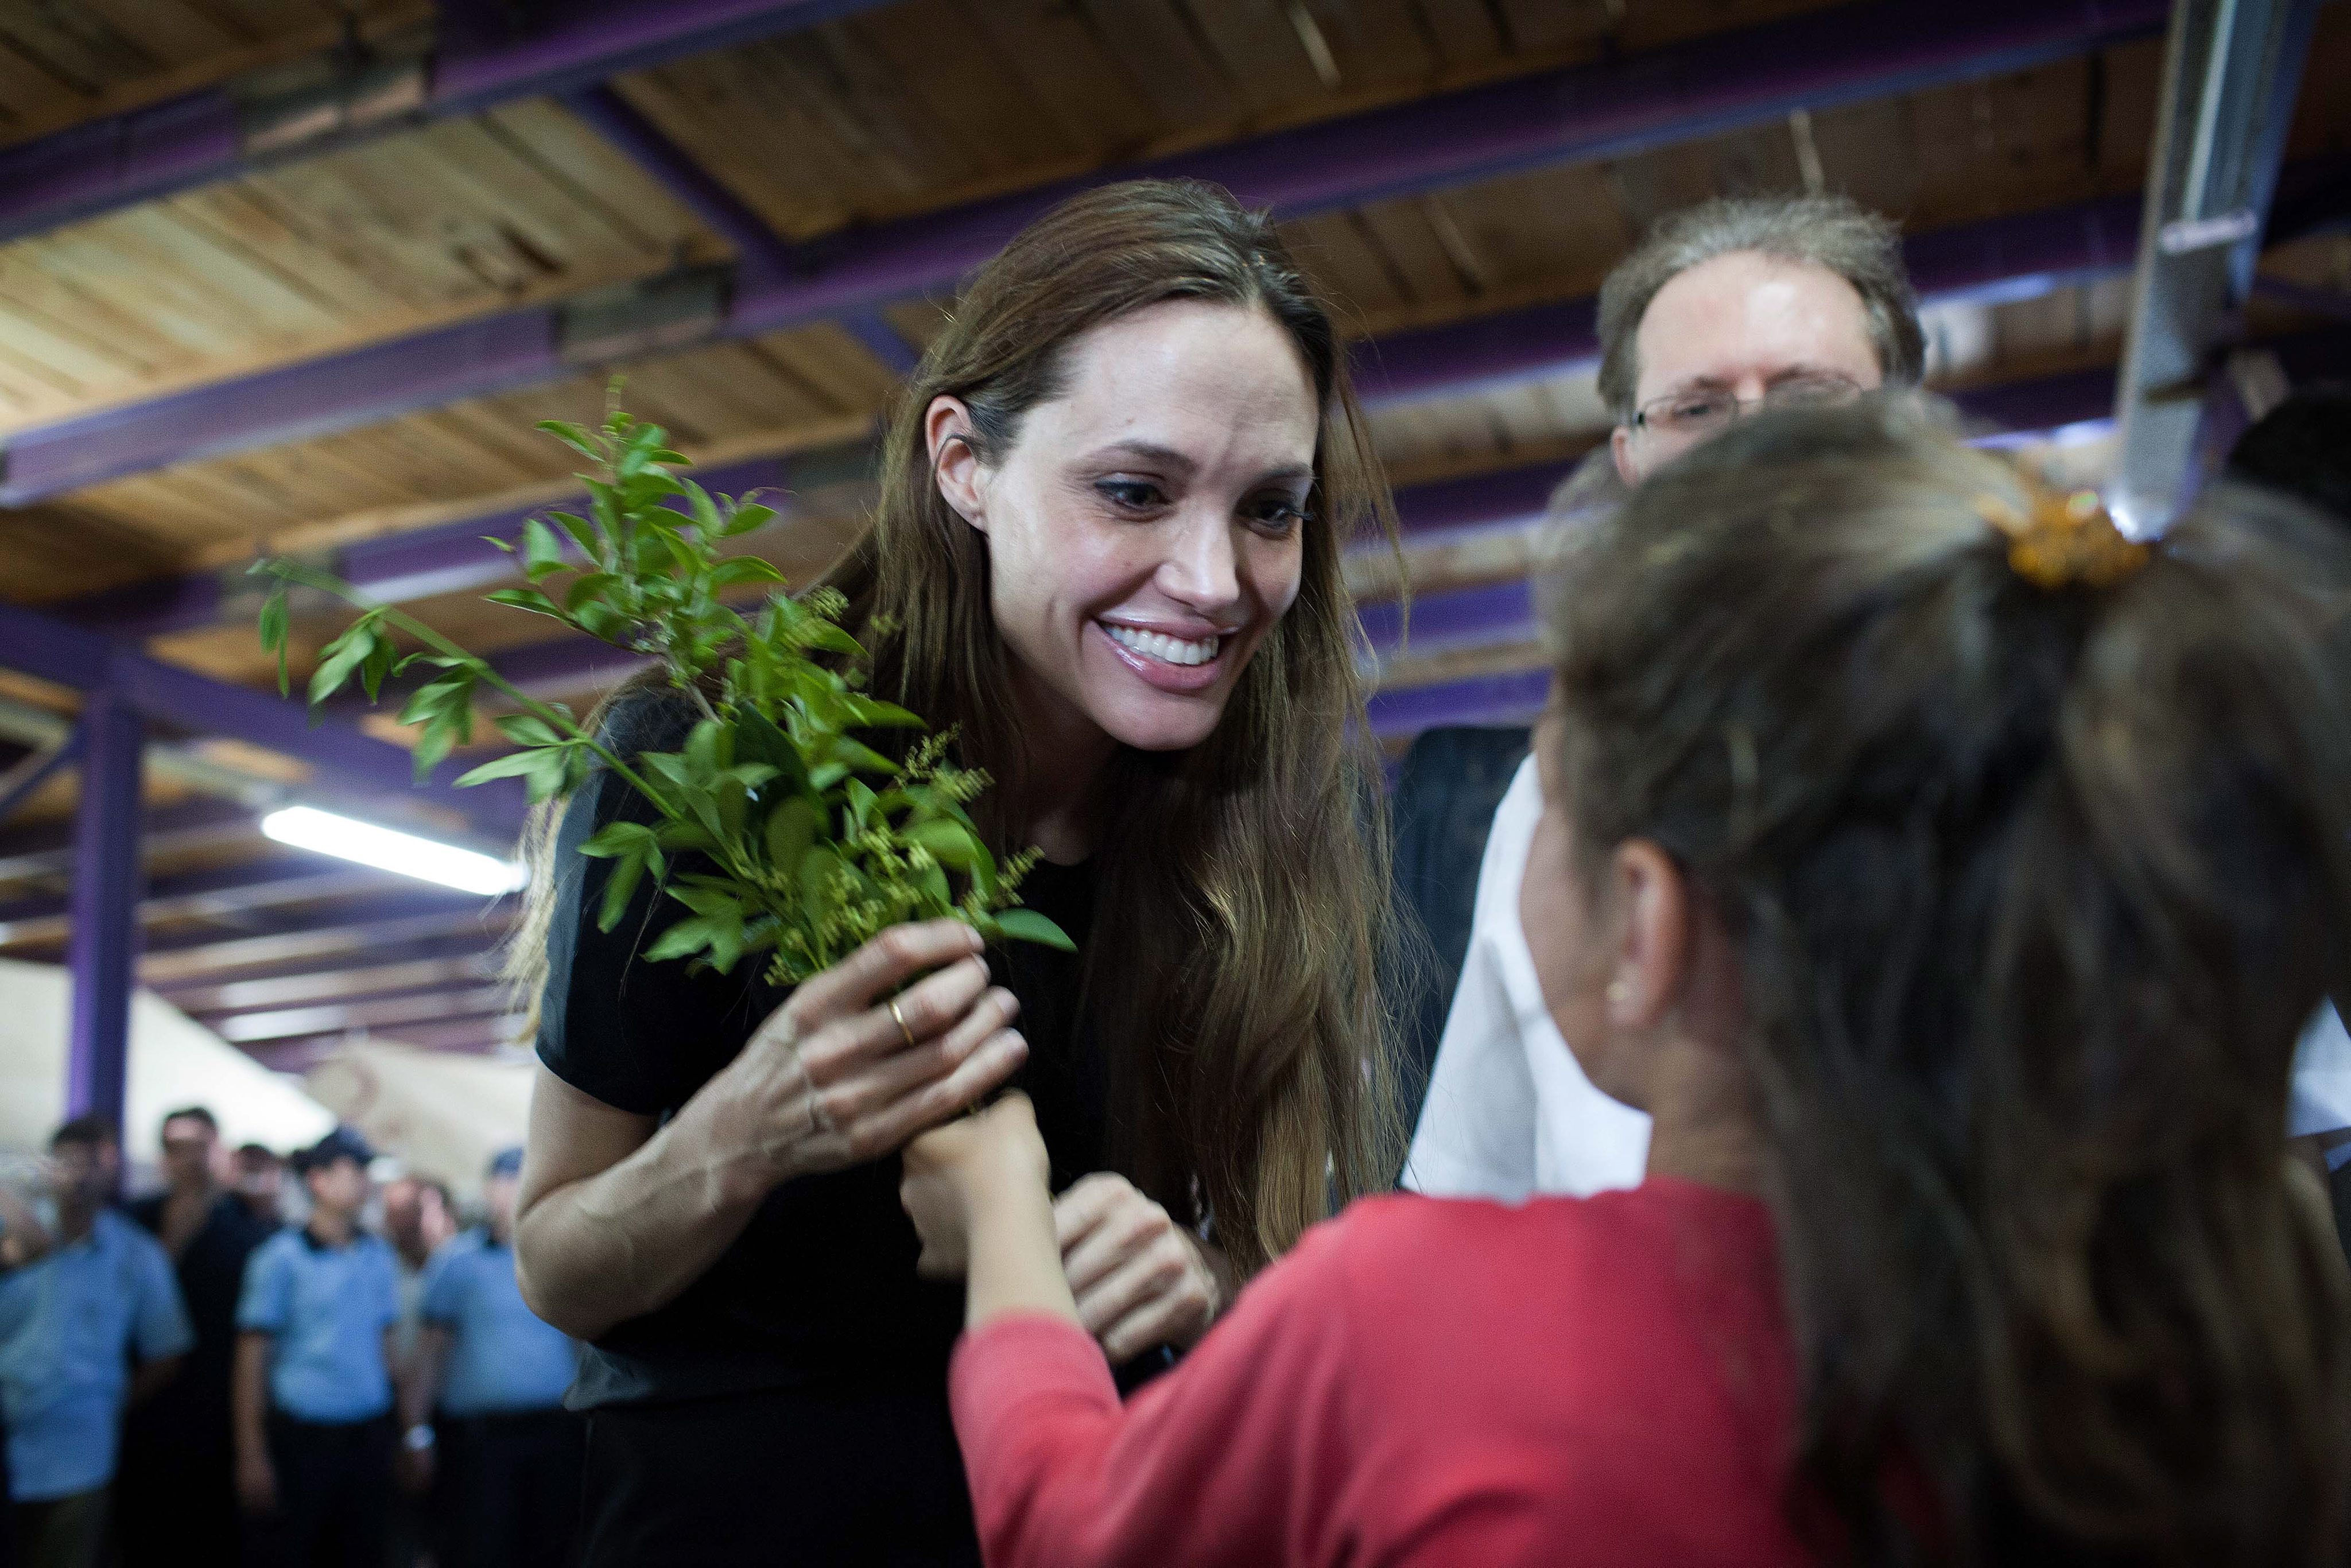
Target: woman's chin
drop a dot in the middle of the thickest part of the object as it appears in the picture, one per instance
(1164, 723)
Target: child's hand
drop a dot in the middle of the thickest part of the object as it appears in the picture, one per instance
(952, 1172)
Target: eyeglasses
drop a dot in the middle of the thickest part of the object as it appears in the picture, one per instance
(1701, 412)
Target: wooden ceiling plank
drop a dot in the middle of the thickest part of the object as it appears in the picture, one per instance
(1336, 254)
(1464, 31)
(1431, 274)
(743, 125)
(165, 30)
(336, 207)
(74, 46)
(640, 212)
(236, 214)
(1543, 26)
(34, 99)
(108, 255)
(899, 122)
(1058, 57)
(833, 368)
(960, 78)
(1257, 51)
(1379, 47)
(1161, 54)
(720, 392)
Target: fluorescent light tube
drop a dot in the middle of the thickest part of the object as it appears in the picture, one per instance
(307, 828)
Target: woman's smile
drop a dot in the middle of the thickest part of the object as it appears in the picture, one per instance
(1167, 662)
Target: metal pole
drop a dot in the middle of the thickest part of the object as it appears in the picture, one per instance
(103, 946)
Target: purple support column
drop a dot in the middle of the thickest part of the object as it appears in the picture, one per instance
(104, 944)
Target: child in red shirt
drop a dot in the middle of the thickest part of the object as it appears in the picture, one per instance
(1949, 876)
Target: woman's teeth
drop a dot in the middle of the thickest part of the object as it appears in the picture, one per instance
(1160, 646)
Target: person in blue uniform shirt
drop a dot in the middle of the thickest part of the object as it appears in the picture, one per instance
(312, 1399)
(91, 1327)
(501, 1453)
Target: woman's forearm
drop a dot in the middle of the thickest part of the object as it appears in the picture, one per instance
(618, 1244)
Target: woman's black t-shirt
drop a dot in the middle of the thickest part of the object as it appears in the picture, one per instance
(819, 1290)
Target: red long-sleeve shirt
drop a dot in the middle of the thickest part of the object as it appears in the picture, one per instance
(1422, 1381)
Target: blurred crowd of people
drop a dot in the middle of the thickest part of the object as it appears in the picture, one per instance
(241, 1368)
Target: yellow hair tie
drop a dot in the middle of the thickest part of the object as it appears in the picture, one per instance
(2066, 539)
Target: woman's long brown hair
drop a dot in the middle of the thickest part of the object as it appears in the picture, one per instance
(1242, 923)
(2035, 888)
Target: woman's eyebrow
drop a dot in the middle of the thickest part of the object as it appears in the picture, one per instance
(1143, 451)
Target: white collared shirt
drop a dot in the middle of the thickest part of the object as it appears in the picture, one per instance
(1510, 1114)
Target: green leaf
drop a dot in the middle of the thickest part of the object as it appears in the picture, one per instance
(455, 691)
(619, 888)
(860, 796)
(746, 518)
(542, 552)
(529, 599)
(340, 657)
(1028, 926)
(589, 585)
(527, 729)
(710, 749)
(739, 569)
(275, 623)
(618, 838)
(873, 714)
(861, 757)
(791, 829)
(573, 436)
(681, 940)
(539, 767)
(704, 510)
(582, 534)
(949, 843)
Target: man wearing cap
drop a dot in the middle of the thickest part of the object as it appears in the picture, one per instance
(74, 1322)
(502, 1453)
(313, 1400)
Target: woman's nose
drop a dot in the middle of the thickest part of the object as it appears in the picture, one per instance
(1203, 568)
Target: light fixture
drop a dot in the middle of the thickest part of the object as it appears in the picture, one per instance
(307, 828)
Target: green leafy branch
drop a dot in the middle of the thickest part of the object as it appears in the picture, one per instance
(780, 830)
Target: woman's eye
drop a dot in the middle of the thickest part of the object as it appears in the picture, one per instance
(1131, 494)
(1279, 516)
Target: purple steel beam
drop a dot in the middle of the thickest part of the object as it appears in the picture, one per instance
(103, 946)
(106, 164)
(35, 644)
(1606, 108)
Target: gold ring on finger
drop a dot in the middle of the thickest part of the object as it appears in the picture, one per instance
(900, 1019)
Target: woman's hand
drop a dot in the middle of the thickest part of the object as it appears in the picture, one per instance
(1139, 1279)
(832, 1079)
(952, 1172)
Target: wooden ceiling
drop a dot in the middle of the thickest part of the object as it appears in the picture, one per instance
(894, 112)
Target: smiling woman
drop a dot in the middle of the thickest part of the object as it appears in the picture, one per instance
(1106, 556)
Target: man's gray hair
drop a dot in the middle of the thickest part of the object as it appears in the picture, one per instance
(1858, 245)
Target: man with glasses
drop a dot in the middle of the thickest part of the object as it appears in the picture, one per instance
(1722, 309)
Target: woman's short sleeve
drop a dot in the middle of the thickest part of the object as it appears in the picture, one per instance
(639, 1037)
